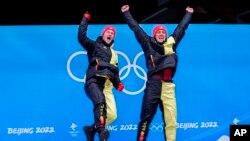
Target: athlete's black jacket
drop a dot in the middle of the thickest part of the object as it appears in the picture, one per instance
(156, 57)
(99, 56)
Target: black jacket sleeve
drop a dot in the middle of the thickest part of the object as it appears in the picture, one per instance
(182, 26)
(117, 80)
(86, 43)
(140, 35)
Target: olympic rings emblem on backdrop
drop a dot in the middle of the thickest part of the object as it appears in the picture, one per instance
(68, 66)
(156, 127)
(127, 67)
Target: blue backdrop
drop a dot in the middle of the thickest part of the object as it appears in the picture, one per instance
(42, 77)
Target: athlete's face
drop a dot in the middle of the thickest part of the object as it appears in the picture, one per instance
(108, 36)
(160, 36)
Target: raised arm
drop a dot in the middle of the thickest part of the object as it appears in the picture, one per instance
(182, 26)
(140, 35)
(86, 43)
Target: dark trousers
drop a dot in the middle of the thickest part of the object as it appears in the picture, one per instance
(94, 90)
(162, 94)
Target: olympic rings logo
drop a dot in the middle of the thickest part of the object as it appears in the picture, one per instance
(127, 67)
(156, 127)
